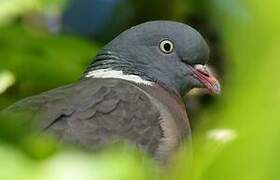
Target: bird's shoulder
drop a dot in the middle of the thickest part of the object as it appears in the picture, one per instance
(101, 95)
(92, 112)
(109, 110)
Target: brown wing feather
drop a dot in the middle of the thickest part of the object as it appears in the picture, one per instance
(95, 112)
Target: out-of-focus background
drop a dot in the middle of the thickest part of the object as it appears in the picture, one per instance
(48, 43)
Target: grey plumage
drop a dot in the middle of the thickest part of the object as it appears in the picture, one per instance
(95, 112)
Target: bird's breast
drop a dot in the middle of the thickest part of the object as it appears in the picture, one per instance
(173, 120)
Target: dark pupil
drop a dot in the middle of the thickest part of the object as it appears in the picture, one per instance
(167, 47)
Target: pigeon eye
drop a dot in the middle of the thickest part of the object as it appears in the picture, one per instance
(166, 46)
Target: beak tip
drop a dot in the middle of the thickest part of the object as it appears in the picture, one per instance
(214, 86)
(217, 89)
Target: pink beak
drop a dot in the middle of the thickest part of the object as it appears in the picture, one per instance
(202, 73)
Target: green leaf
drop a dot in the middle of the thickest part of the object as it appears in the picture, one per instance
(11, 9)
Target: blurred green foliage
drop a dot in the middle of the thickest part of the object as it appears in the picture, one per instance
(12, 9)
(238, 138)
(39, 61)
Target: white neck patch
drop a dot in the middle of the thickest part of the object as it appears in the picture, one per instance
(109, 73)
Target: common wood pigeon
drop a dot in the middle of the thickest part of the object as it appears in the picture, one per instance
(131, 91)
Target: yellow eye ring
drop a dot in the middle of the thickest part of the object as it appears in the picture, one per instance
(166, 46)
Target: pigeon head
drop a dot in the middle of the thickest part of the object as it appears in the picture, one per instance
(167, 53)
